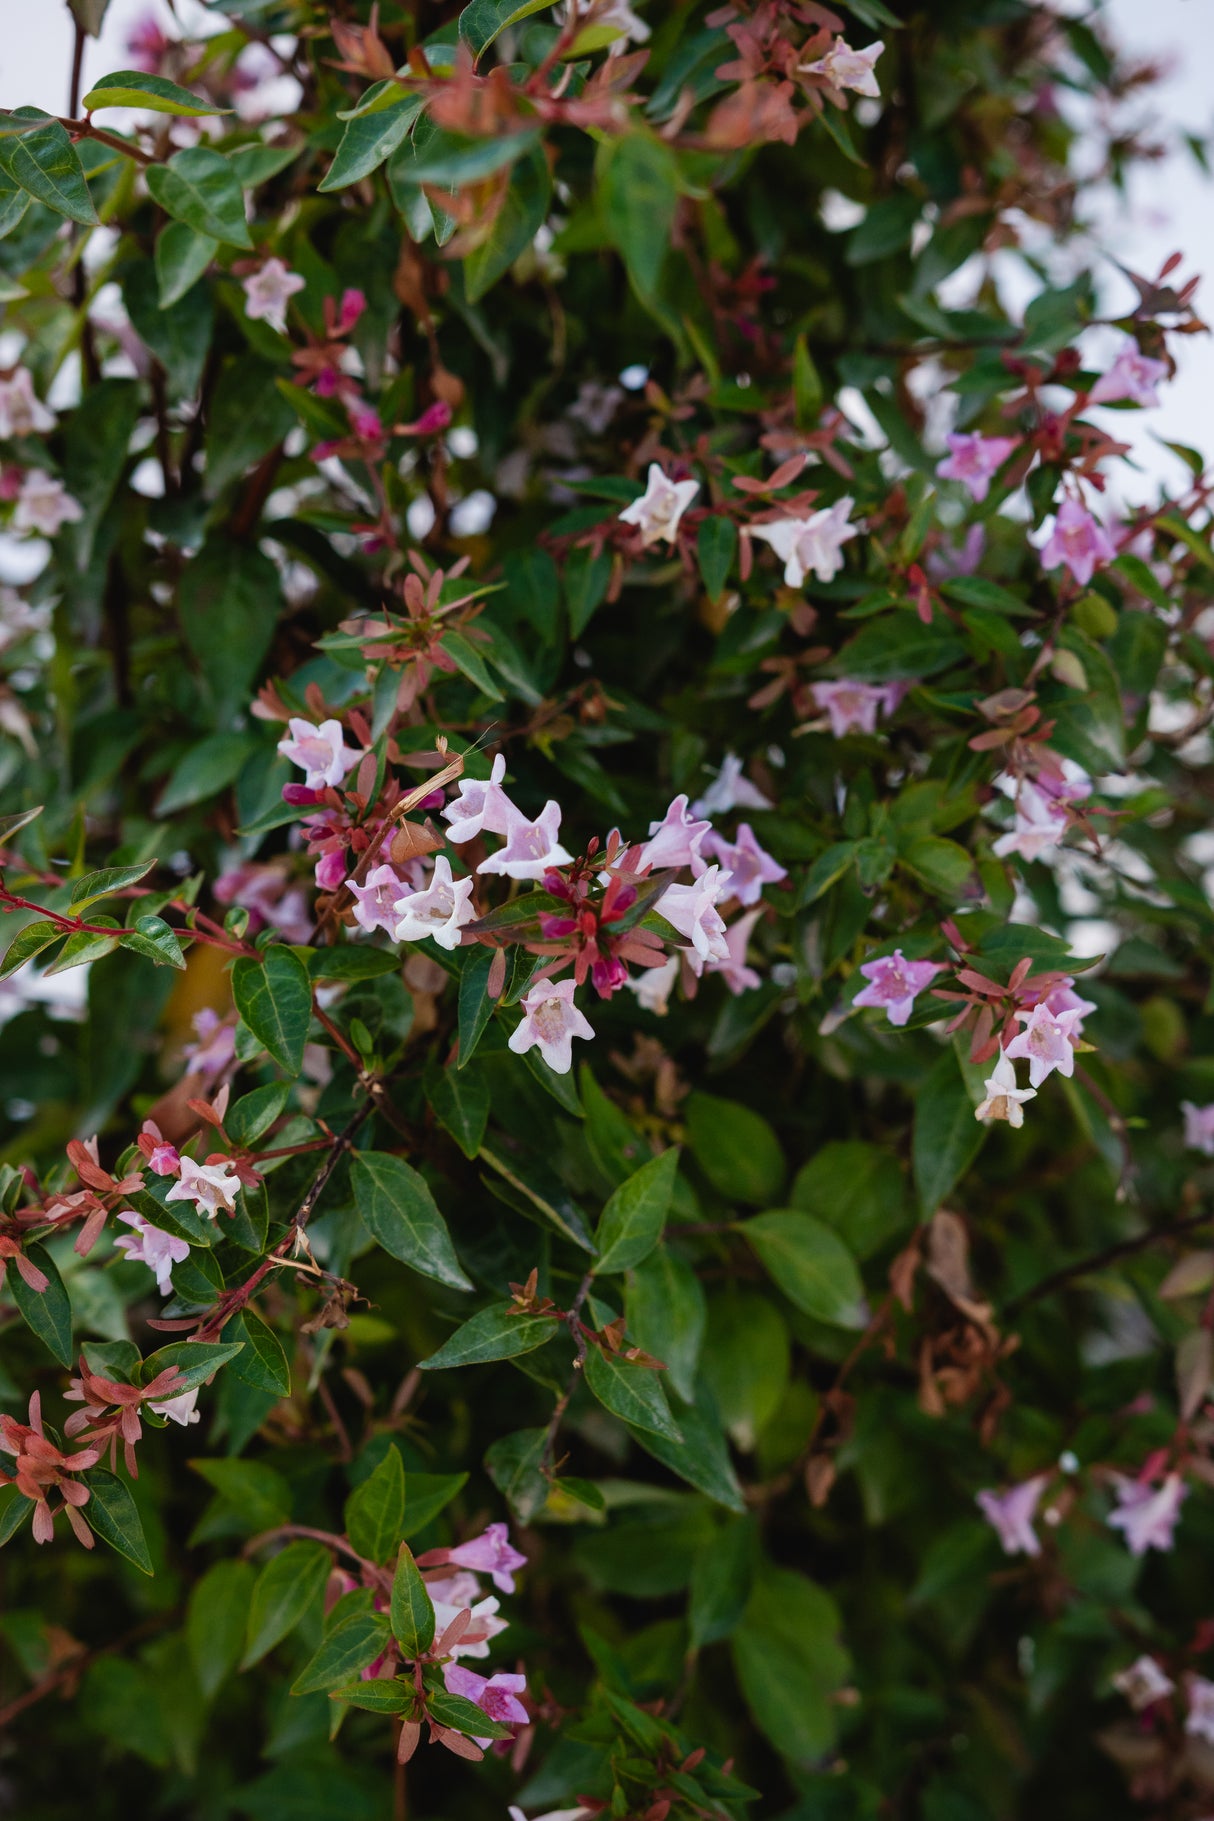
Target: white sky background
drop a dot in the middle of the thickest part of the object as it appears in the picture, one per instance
(1171, 204)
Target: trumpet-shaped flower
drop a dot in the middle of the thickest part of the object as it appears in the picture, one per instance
(439, 912)
(677, 839)
(691, 909)
(551, 1020)
(730, 789)
(480, 805)
(497, 1694)
(531, 847)
(22, 412)
(1198, 1127)
(268, 291)
(1132, 375)
(1079, 541)
(845, 68)
(1047, 1040)
(44, 505)
(210, 1186)
(1147, 1515)
(810, 545)
(750, 867)
(490, 1553)
(320, 752)
(150, 1246)
(895, 983)
(657, 512)
(375, 900)
(1004, 1100)
(975, 460)
(1012, 1513)
(1143, 1683)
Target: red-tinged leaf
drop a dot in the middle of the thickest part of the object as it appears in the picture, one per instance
(787, 472)
(89, 1172)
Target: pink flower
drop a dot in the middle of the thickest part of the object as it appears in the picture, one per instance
(146, 45)
(440, 911)
(22, 412)
(179, 1409)
(498, 1694)
(1079, 541)
(456, 1593)
(551, 1019)
(750, 867)
(691, 909)
(1143, 1683)
(1146, 1516)
(268, 292)
(1040, 823)
(1047, 1040)
(1198, 1127)
(531, 847)
(353, 303)
(1012, 1514)
(490, 1553)
(320, 752)
(810, 545)
(675, 840)
(948, 560)
(214, 1050)
(1004, 1100)
(852, 707)
(210, 1186)
(330, 870)
(895, 984)
(730, 789)
(845, 68)
(434, 418)
(149, 1246)
(974, 461)
(660, 507)
(376, 898)
(1200, 1718)
(1133, 376)
(44, 505)
(654, 985)
(1063, 999)
(479, 806)
(734, 972)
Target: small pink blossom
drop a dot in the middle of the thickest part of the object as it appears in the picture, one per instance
(730, 789)
(268, 292)
(1062, 998)
(1012, 1513)
(490, 1553)
(210, 1186)
(330, 870)
(750, 867)
(733, 970)
(320, 752)
(658, 511)
(975, 460)
(895, 983)
(149, 1246)
(1132, 375)
(179, 1409)
(853, 707)
(1078, 540)
(531, 847)
(1198, 1127)
(1004, 1100)
(497, 1694)
(376, 898)
(1143, 1683)
(810, 545)
(691, 909)
(551, 1020)
(676, 840)
(480, 805)
(456, 1593)
(654, 985)
(1147, 1515)
(845, 68)
(44, 505)
(440, 911)
(1199, 1692)
(212, 1053)
(22, 412)
(1047, 1040)
(1039, 823)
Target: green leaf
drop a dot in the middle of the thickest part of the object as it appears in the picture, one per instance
(375, 1697)
(412, 1612)
(251, 1117)
(428, 1494)
(375, 1511)
(194, 1360)
(248, 417)
(631, 1392)
(716, 548)
(274, 998)
(352, 961)
(111, 879)
(262, 1362)
(464, 1716)
(484, 20)
(15, 1510)
(180, 336)
(215, 1621)
(205, 769)
(46, 164)
(898, 645)
(513, 1464)
(633, 1220)
(721, 1580)
(945, 867)
(467, 658)
(152, 937)
(199, 187)
(367, 140)
(492, 1334)
(460, 1099)
(475, 1005)
(947, 1137)
(667, 1313)
(700, 1456)
(638, 193)
(27, 943)
(47, 1312)
(519, 219)
(290, 1583)
(86, 946)
(181, 256)
(856, 1189)
(353, 1643)
(736, 1149)
(89, 15)
(807, 386)
(256, 1493)
(135, 88)
(810, 1263)
(790, 1663)
(112, 1516)
(399, 1211)
(96, 444)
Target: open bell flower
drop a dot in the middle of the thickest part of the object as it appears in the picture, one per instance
(845, 68)
(531, 848)
(440, 911)
(268, 291)
(676, 840)
(1004, 1100)
(1011, 1515)
(1133, 376)
(210, 1186)
(1047, 1041)
(730, 789)
(692, 910)
(895, 983)
(22, 412)
(490, 1553)
(479, 805)
(658, 511)
(497, 1694)
(810, 546)
(1147, 1515)
(551, 1021)
(44, 505)
(1079, 542)
(150, 1246)
(974, 460)
(320, 752)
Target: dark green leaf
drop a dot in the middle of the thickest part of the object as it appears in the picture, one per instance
(412, 1611)
(515, 226)
(351, 1645)
(375, 1511)
(484, 20)
(427, 1495)
(367, 141)
(199, 187)
(716, 548)
(631, 1392)
(48, 1312)
(181, 257)
(492, 1334)
(193, 1360)
(736, 1149)
(274, 998)
(632, 1222)
(44, 161)
(464, 1716)
(947, 1137)
(810, 1263)
(263, 1361)
(460, 1099)
(136, 88)
(399, 1211)
(639, 191)
(287, 1586)
(215, 1621)
(112, 1516)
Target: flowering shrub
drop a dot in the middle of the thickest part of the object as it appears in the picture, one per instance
(609, 1072)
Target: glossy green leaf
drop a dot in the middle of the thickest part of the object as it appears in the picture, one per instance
(199, 187)
(736, 1149)
(112, 1516)
(639, 189)
(43, 161)
(492, 1334)
(399, 1212)
(216, 1618)
(289, 1584)
(262, 1361)
(808, 1261)
(274, 998)
(412, 1611)
(947, 1137)
(369, 139)
(632, 1222)
(182, 255)
(375, 1511)
(484, 20)
(47, 1312)
(351, 1645)
(631, 1392)
(137, 88)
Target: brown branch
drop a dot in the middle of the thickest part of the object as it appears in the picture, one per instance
(570, 1318)
(77, 1664)
(84, 129)
(1096, 1261)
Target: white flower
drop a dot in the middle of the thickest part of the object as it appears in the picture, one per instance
(1041, 822)
(1143, 1683)
(179, 1409)
(691, 909)
(551, 1020)
(660, 507)
(22, 412)
(531, 847)
(44, 504)
(730, 789)
(654, 985)
(320, 751)
(268, 291)
(440, 911)
(210, 1186)
(1004, 1100)
(812, 544)
(845, 68)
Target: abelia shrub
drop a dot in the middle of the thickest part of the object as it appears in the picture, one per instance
(608, 1078)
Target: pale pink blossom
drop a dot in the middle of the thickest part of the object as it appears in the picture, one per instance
(1004, 1100)
(749, 866)
(376, 898)
(179, 1409)
(1199, 1692)
(320, 752)
(1012, 1513)
(456, 1593)
(554, 1814)
(266, 891)
(1039, 823)
(1078, 540)
(895, 983)
(810, 545)
(948, 560)
(551, 1020)
(149, 1246)
(268, 292)
(975, 460)
(654, 985)
(853, 707)
(497, 1694)
(480, 805)
(210, 1186)
(216, 1044)
(733, 970)
(44, 505)
(1143, 1683)
(22, 412)
(730, 789)
(617, 14)
(691, 909)
(1048, 1042)
(676, 840)
(532, 848)
(658, 511)
(1132, 375)
(1147, 1515)
(490, 1553)
(1198, 1127)
(1063, 998)
(845, 68)
(440, 911)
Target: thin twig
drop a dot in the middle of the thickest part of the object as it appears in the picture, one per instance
(1096, 1261)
